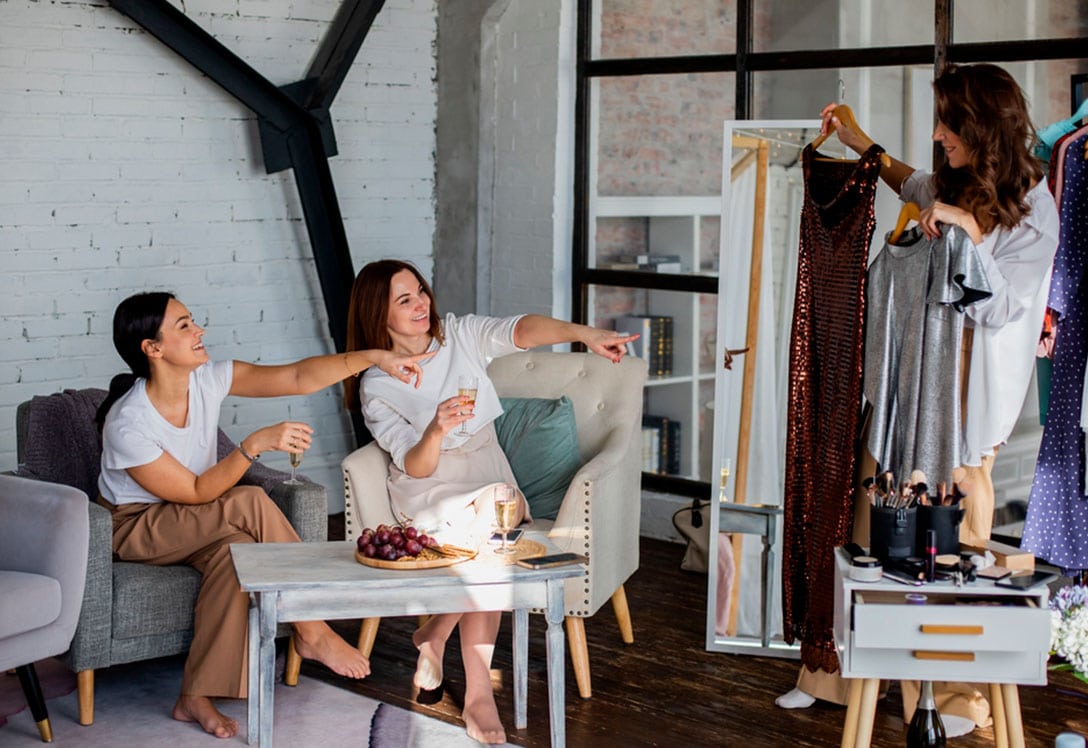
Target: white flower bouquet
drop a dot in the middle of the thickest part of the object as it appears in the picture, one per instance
(1069, 629)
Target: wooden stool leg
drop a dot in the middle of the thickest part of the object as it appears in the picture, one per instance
(368, 632)
(853, 705)
(1011, 696)
(623, 615)
(867, 712)
(997, 711)
(85, 689)
(293, 664)
(579, 654)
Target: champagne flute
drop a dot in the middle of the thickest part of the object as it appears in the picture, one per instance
(506, 508)
(466, 389)
(296, 460)
(727, 467)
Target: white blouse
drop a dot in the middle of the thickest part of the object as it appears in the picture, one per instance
(397, 414)
(1006, 325)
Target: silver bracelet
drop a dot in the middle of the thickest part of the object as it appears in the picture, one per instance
(247, 455)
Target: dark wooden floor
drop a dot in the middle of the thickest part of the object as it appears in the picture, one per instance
(666, 689)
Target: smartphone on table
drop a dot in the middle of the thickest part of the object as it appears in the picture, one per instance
(1026, 581)
(554, 559)
(511, 537)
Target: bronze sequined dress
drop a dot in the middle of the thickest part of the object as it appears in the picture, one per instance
(837, 222)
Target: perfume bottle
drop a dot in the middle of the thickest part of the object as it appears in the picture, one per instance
(926, 729)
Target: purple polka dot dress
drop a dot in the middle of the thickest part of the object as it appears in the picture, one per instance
(1056, 527)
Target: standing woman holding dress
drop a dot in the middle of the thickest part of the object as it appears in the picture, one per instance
(989, 185)
(173, 502)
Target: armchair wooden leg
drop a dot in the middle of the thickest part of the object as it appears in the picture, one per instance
(623, 615)
(85, 690)
(293, 664)
(32, 690)
(579, 654)
(368, 632)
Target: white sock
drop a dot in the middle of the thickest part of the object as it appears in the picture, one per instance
(795, 699)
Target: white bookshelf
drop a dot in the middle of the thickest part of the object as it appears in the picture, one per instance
(674, 225)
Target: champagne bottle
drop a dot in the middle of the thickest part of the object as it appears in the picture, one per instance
(926, 729)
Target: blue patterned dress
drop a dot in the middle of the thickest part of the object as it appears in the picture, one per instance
(1056, 527)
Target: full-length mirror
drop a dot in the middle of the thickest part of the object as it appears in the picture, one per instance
(762, 191)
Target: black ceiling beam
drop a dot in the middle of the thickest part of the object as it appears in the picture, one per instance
(201, 50)
(338, 50)
(301, 134)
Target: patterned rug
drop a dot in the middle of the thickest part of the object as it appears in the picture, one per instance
(133, 703)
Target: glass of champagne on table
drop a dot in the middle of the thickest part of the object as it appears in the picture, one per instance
(466, 389)
(506, 509)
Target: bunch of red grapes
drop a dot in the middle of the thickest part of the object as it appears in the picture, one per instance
(391, 543)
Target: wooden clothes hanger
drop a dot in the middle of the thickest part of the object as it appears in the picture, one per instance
(845, 115)
(909, 212)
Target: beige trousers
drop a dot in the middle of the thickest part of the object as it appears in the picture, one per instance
(199, 535)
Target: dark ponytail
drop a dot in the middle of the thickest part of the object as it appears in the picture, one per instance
(137, 318)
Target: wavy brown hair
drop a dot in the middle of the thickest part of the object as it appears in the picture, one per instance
(368, 314)
(985, 107)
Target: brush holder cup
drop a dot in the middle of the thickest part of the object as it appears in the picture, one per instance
(893, 533)
(945, 520)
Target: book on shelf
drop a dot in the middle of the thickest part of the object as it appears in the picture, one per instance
(651, 450)
(648, 263)
(667, 442)
(654, 343)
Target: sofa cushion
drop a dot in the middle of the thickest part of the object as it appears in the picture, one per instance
(540, 439)
(30, 602)
(153, 599)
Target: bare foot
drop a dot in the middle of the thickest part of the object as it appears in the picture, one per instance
(482, 721)
(201, 709)
(428, 674)
(314, 640)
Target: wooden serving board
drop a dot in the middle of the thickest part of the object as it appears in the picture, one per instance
(406, 562)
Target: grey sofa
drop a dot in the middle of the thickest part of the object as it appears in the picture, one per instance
(130, 611)
(43, 568)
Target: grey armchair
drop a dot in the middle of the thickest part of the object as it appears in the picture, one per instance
(599, 515)
(43, 566)
(132, 611)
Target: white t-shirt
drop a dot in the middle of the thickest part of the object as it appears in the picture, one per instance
(136, 434)
(1006, 325)
(397, 413)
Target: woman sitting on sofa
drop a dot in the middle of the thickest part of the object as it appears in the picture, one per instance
(174, 502)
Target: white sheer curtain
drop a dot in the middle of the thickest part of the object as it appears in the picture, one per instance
(767, 436)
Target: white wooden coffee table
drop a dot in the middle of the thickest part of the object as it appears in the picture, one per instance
(312, 581)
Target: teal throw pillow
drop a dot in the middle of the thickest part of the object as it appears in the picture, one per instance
(540, 440)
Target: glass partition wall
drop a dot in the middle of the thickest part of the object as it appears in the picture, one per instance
(656, 81)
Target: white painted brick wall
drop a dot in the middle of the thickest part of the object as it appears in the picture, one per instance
(525, 128)
(126, 170)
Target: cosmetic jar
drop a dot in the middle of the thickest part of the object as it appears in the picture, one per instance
(866, 569)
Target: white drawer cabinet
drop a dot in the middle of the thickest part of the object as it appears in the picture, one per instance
(978, 633)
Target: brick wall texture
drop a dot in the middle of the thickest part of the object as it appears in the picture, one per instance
(125, 169)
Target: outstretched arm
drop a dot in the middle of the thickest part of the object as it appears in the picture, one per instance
(534, 330)
(317, 372)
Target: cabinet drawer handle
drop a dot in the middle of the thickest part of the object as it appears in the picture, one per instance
(937, 628)
(920, 654)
